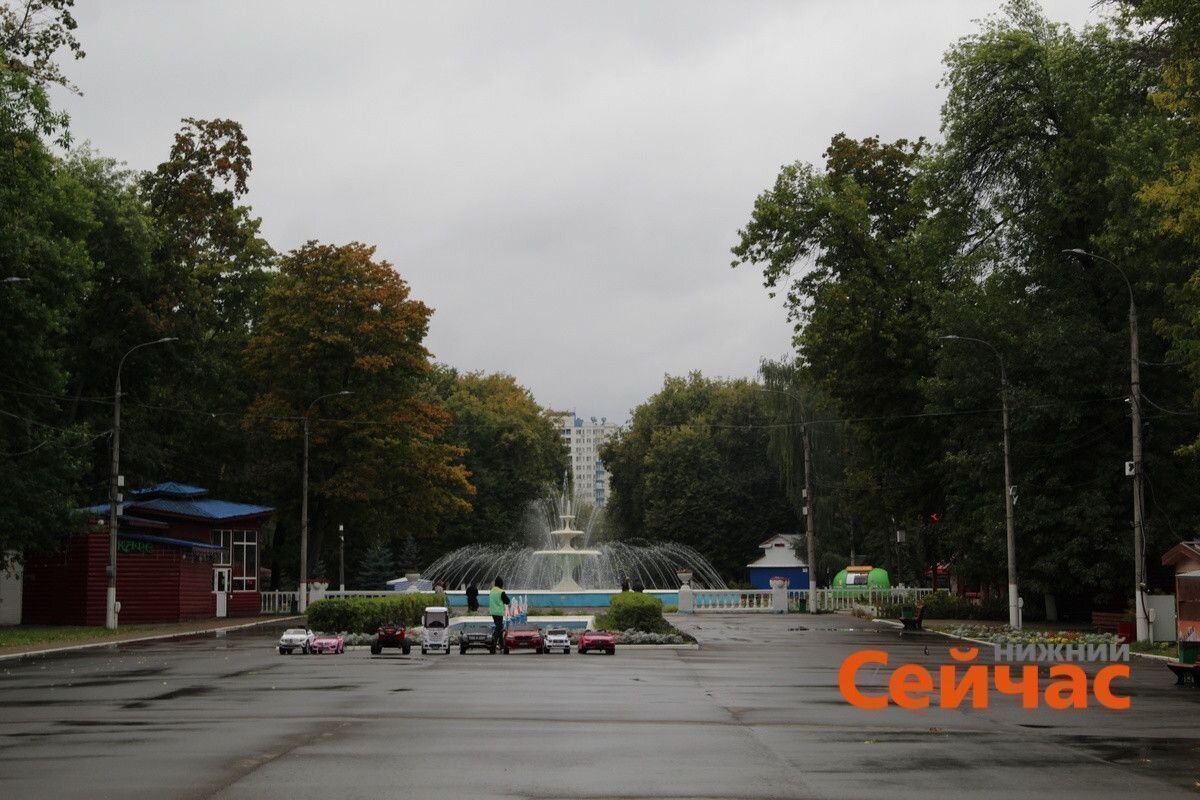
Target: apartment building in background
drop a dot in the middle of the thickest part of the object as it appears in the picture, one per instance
(583, 438)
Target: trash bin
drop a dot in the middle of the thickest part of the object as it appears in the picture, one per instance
(908, 612)
(1188, 651)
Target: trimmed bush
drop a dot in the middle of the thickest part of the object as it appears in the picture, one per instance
(366, 614)
(943, 605)
(636, 611)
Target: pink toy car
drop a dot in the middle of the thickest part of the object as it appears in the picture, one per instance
(597, 640)
(327, 643)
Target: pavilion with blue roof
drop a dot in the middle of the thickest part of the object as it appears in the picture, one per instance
(181, 554)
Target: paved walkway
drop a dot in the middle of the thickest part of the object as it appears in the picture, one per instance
(754, 714)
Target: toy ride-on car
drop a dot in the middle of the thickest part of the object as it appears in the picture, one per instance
(327, 643)
(521, 636)
(597, 640)
(390, 635)
(556, 639)
(477, 635)
(436, 621)
(295, 639)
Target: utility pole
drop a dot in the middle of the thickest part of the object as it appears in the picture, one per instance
(1014, 601)
(1135, 414)
(303, 592)
(115, 484)
(809, 522)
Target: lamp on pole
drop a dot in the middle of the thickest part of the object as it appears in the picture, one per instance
(809, 520)
(1135, 410)
(1014, 603)
(12, 279)
(114, 488)
(341, 558)
(303, 593)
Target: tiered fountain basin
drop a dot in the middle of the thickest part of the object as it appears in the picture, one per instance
(551, 598)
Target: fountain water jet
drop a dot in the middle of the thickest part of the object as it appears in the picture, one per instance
(560, 564)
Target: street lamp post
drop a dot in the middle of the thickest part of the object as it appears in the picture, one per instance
(1135, 409)
(303, 593)
(810, 528)
(1014, 603)
(341, 558)
(114, 489)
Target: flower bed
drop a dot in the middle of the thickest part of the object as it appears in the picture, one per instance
(1002, 634)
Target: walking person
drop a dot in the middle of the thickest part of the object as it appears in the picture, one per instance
(497, 602)
(472, 598)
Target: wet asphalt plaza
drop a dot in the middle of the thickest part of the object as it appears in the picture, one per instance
(754, 713)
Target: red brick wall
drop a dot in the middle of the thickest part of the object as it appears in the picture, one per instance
(54, 584)
(196, 599)
(244, 604)
(148, 586)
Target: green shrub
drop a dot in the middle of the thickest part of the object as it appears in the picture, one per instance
(366, 614)
(637, 611)
(943, 605)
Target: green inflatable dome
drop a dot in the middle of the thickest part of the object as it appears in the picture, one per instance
(860, 580)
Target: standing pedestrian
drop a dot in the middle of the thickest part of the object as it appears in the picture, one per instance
(472, 597)
(497, 602)
(624, 583)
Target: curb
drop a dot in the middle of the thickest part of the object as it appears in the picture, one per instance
(151, 638)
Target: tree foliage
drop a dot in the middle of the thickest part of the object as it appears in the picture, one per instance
(691, 469)
(512, 452)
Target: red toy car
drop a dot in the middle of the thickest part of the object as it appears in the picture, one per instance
(518, 636)
(390, 635)
(597, 640)
(327, 643)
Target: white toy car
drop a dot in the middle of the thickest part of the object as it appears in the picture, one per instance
(295, 639)
(556, 638)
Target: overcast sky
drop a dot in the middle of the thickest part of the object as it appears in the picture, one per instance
(560, 181)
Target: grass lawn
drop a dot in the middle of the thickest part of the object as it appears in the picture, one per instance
(17, 638)
(1169, 649)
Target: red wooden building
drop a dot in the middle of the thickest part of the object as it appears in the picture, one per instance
(180, 555)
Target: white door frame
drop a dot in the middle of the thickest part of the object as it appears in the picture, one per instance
(221, 576)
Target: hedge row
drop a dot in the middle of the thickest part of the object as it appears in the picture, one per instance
(943, 605)
(637, 611)
(366, 614)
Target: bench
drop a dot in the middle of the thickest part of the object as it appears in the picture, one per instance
(1185, 674)
(1107, 620)
(912, 622)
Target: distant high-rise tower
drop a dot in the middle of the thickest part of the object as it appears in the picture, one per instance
(583, 439)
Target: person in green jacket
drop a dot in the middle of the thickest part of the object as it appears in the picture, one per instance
(497, 602)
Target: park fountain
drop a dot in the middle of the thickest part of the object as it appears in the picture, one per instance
(565, 561)
(564, 552)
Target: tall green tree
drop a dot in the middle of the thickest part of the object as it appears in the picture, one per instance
(692, 468)
(512, 452)
(336, 319)
(45, 215)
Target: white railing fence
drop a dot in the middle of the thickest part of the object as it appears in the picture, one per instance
(279, 602)
(848, 599)
(732, 600)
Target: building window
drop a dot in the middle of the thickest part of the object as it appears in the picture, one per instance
(239, 552)
(245, 561)
(225, 540)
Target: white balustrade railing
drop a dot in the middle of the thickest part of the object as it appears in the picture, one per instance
(279, 602)
(844, 599)
(732, 600)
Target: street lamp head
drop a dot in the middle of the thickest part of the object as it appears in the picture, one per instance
(166, 339)
(13, 279)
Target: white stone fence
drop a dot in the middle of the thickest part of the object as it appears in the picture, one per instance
(781, 600)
